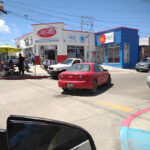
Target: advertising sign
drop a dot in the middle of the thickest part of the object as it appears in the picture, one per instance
(106, 38)
(72, 38)
(47, 40)
(46, 32)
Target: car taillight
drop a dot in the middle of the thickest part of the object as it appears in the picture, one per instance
(60, 76)
(83, 76)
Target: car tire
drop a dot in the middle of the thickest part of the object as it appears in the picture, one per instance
(137, 69)
(94, 89)
(108, 81)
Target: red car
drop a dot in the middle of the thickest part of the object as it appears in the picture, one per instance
(84, 76)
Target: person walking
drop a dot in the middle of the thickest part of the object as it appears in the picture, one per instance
(21, 64)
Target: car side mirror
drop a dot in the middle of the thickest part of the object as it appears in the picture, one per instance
(105, 70)
(26, 133)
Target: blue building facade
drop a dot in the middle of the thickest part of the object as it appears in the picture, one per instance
(117, 47)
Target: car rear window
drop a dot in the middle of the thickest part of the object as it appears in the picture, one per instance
(79, 67)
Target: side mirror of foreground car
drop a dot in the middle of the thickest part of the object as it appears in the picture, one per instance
(105, 70)
(27, 133)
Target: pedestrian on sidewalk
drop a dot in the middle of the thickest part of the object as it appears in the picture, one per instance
(21, 64)
(33, 59)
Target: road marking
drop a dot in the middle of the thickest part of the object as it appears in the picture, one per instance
(116, 106)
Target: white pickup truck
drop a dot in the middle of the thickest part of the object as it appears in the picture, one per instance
(54, 70)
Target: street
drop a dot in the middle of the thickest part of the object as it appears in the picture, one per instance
(101, 114)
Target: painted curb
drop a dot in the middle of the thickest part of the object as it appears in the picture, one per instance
(23, 78)
(126, 143)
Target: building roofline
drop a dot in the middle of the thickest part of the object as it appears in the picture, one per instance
(48, 23)
(23, 35)
(78, 31)
(116, 29)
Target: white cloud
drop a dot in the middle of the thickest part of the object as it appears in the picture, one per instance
(3, 27)
(16, 30)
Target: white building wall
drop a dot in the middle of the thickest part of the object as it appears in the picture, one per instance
(73, 38)
(54, 40)
(61, 39)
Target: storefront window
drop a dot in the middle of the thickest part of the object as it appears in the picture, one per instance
(28, 41)
(114, 53)
(126, 53)
(75, 51)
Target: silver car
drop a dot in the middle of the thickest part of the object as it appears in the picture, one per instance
(143, 65)
(148, 79)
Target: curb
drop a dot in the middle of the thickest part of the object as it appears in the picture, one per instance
(126, 142)
(23, 78)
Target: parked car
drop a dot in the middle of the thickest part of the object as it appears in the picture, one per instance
(148, 79)
(54, 70)
(143, 65)
(84, 76)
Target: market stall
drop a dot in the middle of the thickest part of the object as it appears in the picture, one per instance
(5, 63)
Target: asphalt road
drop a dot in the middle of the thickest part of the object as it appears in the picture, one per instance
(100, 114)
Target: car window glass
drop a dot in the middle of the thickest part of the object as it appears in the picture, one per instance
(32, 136)
(79, 67)
(100, 68)
(96, 68)
(76, 61)
(67, 61)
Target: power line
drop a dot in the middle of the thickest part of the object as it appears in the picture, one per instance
(19, 3)
(107, 21)
(39, 22)
(41, 13)
(113, 22)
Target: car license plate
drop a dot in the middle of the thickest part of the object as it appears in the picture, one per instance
(69, 85)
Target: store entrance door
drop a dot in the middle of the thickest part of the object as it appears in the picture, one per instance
(100, 54)
(49, 53)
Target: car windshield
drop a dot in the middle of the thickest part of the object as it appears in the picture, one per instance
(80, 67)
(67, 61)
(146, 60)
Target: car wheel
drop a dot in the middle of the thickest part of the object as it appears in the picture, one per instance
(137, 69)
(94, 89)
(108, 80)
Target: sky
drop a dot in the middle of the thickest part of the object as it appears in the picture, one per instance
(106, 14)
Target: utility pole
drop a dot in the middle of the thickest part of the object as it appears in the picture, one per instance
(88, 21)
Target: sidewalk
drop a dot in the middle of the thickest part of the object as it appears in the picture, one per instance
(135, 131)
(118, 70)
(36, 72)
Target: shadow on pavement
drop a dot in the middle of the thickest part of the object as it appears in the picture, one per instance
(101, 90)
(21, 77)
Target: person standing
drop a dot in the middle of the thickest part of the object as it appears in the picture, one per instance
(33, 59)
(21, 64)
